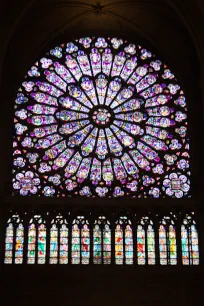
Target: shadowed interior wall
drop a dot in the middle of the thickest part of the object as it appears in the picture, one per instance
(175, 31)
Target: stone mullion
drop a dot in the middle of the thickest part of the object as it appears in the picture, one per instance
(25, 245)
(146, 245)
(69, 220)
(168, 245)
(102, 228)
(197, 219)
(134, 231)
(3, 235)
(91, 241)
(36, 241)
(14, 242)
(112, 240)
(156, 230)
(178, 240)
(59, 226)
(48, 227)
(190, 260)
(124, 251)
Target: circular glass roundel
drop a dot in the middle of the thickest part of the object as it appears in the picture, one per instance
(101, 117)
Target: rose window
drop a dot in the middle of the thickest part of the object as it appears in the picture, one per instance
(101, 117)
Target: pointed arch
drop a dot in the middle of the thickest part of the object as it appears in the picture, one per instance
(189, 241)
(36, 240)
(123, 241)
(146, 242)
(59, 241)
(14, 240)
(167, 241)
(80, 253)
(101, 241)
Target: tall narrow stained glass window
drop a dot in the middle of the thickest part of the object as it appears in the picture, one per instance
(101, 241)
(9, 244)
(36, 240)
(167, 242)
(59, 241)
(14, 240)
(189, 241)
(103, 117)
(123, 241)
(80, 252)
(145, 242)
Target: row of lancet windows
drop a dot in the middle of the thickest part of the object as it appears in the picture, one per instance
(102, 242)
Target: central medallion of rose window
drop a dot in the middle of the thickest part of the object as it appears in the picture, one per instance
(101, 116)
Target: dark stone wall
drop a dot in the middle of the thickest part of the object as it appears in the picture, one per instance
(175, 30)
(110, 285)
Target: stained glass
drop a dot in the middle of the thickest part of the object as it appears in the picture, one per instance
(172, 245)
(107, 244)
(63, 244)
(189, 242)
(31, 243)
(36, 241)
(163, 245)
(19, 244)
(85, 244)
(128, 245)
(41, 244)
(102, 241)
(101, 233)
(123, 241)
(14, 240)
(76, 247)
(145, 242)
(119, 249)
(101, 117)
(151, 245)
(97, 245)
(9, 244)
(59, 241)
(80, 241)
(141, 256)
(54, 244)
(167, 242)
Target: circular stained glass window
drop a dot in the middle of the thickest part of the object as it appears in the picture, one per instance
(101, 117)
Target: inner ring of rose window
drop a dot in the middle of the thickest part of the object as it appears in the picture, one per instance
(101, 116)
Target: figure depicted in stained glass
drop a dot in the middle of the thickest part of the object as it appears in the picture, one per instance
(101, 241)
(85, 244)
(151, 244)
(119, 244)
(145, 242)
(97, 245)
(141, 245)
(9, 244)
(36, 240)
(59, 241)
(54, 244)
(167, 241)
(101, 117)
(189, 241)
(63, 244)
(107, 244)
(128, 245)
(19, 244)
(123, 241)
(41, 243)
(80, 241)
(14, 240)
